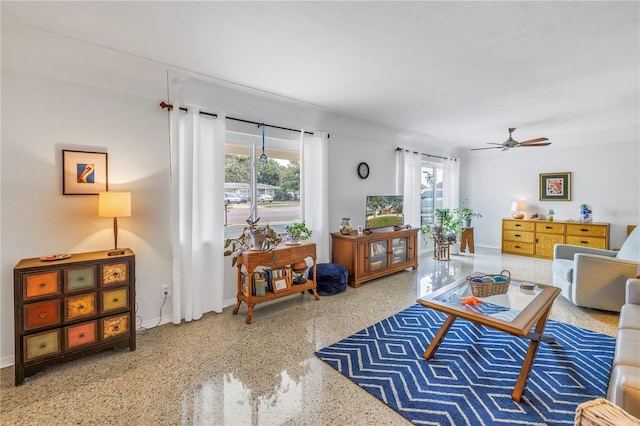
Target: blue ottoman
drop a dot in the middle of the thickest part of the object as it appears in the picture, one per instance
(332, 278)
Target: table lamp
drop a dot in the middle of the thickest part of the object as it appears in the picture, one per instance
(115, 205)
(516, 208)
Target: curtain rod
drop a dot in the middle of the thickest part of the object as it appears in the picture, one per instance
(165, 105)
(422, 153)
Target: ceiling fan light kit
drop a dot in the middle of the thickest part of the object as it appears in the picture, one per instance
(512, 143)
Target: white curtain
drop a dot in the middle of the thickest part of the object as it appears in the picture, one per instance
(451, 183)
(409, 166)
(314, 179)
(197, 212)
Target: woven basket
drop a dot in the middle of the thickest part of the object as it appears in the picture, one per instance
(490, 288)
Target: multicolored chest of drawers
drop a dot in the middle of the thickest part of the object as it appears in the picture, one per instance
(66, 309)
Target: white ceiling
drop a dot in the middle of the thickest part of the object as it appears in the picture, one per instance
(458, 72)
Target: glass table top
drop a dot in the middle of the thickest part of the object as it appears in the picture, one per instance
(505, 307)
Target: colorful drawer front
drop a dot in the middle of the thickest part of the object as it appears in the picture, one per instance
(115, 273)
(115, 326)
(41, 314)
(41, 345)
(80, 306)
(80, 279)
(115, 299)
(81, 334)
(38, 285)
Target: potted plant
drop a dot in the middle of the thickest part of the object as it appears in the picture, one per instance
(450, 228)
(465, 213)
(446, 230)
(254, 237)
(297, 232)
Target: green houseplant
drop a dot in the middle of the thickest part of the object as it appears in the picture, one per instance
(253, 236)
(297, 232)
(447, 227)
(445, 233)
(465, 214)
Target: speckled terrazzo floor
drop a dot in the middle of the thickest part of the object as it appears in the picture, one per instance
(220, 371)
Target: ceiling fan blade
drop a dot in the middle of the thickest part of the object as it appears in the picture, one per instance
(537, 144)
(533, 141)
(493, 143)
(490, 147)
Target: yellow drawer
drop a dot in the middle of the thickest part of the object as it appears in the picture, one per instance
(81, 334)
(38, 285)
(550, 228)
(41, 314)
(114, 326)
(594, 242)
(42, 344)
(587, 230)
(80, 306)
(80, 279)
(518, 225)
(115, 299)
(517, 247)
(115, 273)
(518, 236)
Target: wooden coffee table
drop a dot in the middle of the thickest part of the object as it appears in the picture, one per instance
(514, 312)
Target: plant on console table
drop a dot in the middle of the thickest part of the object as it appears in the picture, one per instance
(253, 237)
(297, 232)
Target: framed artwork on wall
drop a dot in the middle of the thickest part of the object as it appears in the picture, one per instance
(84, 172)
(555, 186)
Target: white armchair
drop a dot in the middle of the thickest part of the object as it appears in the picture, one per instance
(596, 278)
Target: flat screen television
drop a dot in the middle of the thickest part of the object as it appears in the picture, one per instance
(383, 211)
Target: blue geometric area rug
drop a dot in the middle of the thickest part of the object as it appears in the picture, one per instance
(472, 374)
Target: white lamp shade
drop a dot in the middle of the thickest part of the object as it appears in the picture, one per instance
(517, 206)
(114, 204)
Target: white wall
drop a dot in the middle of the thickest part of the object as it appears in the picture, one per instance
(606, 177)
(40, 117)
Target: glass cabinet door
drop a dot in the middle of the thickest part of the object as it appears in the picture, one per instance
(378, 255)
(399, 250)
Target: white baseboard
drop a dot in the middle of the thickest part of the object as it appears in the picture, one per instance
(7, 361)
(156, 322)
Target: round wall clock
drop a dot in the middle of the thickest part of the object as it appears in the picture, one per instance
(363, 170)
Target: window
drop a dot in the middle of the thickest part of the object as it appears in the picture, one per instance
(275, 185)
(431, 191)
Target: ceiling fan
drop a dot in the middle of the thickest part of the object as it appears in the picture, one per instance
(512, 143)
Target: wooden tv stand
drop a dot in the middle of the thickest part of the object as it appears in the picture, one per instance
(375, 255)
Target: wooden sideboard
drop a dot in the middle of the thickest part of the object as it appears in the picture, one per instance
(375, 255)
(283, 257)
(537, 238)
(69, 308)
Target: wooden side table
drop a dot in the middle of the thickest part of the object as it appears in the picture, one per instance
(466, 239)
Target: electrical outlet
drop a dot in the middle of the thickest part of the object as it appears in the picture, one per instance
(166, 290)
